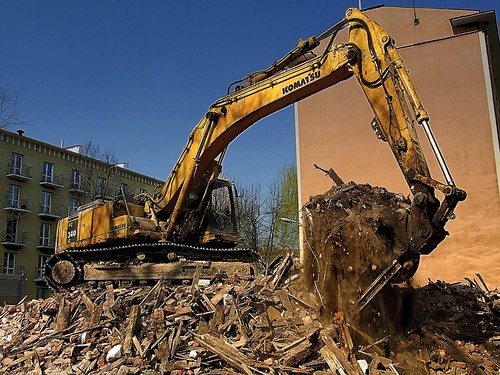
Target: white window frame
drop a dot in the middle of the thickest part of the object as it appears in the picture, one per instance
(73, 206)
(9, 263)
(14, 197)
(76, 179)
(45, 234)
(12, 231)
(16, 163)
(46, 202)
(48, 172)
(40, 271)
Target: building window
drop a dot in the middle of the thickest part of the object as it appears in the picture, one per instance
(142, 191)
(76, 178)
(45, 234)
(9, 263)
(100, 187)
(123, 191)
(73, 206)
(46, 202)
(48, 172)
(16, 163)
(14, 196)
(12, 229)
(40, 273)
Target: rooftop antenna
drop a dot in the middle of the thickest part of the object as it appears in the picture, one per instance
(416, 21)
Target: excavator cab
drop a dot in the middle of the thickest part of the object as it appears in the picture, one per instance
(220, 217)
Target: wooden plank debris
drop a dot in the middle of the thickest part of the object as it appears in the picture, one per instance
(240, 326)
(132, 321)
(226, 352)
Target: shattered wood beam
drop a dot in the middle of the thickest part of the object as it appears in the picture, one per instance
(225, 351)
(332, 174)
(131, 328)
(298, 353)
(344, 329)
(148, 297)
(88, 302)
(301, 301)
(196, 277)
(285, 300)
(282, 269)
(175, 341)
(110, 301)
(342, 357)
(110, 294)
(219, 296)
(309, 336)
(332, 360)
(243, 327)
(163, 331)
(218, 318)
(62, 319)
(137, 346)
(208, 302)
(95, 317)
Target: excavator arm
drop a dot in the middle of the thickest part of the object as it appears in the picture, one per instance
(371, 56)
(117, 240)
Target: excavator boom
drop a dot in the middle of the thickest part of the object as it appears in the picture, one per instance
(177, 213)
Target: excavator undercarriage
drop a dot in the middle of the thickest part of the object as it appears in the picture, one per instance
(143, 263)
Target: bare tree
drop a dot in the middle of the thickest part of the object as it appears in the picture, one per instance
(251, 216)
(259, 214)
(91, 181)
(9, 103)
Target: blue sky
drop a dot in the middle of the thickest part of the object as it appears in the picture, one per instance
(137, 76)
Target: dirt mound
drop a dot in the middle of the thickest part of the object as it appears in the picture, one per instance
(352, 233)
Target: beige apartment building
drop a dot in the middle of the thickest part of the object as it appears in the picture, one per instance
(40, 184)
(453, 56)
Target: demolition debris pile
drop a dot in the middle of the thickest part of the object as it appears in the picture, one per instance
(352, 233)
(269, 323)
(257, 326)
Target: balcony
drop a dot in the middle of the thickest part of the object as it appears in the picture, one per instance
(22, 172)
(17, 205)
(76, 189)
(14, 241)
(40, 276)
(45, 246)
(52, 182)
(50, 213)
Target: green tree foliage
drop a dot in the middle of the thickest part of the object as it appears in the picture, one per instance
(260, 214)
(284, 210)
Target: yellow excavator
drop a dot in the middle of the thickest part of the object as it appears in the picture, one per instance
(189, 225)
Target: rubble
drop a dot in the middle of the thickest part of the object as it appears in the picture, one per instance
(270, 323)
(263, 328)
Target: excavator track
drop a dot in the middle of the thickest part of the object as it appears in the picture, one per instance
(140, 261)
